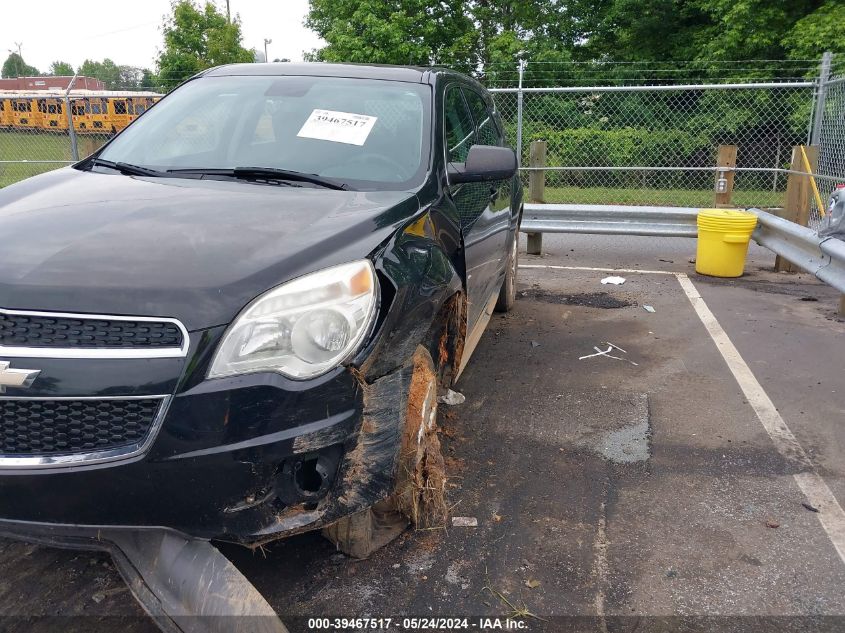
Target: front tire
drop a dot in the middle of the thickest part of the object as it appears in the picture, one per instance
(419, 495)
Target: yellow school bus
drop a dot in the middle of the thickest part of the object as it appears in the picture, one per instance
(25, 114)
(53, 114)
(98, 109)
(5, 111)
(94, 112)
(125, 109)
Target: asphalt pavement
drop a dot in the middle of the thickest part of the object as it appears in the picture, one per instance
(640, 492)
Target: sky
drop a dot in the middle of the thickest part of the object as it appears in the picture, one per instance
(130, 32)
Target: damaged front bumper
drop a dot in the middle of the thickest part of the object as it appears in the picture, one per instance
(245, 460)
(156, 516)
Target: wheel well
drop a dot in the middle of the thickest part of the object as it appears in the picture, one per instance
(445, 339)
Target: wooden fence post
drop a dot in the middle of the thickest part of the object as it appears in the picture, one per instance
(536, 189)
(726, 158)
(797, 206)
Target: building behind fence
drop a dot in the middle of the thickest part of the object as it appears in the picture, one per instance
(631, 137)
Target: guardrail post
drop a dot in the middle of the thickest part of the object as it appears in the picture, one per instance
(797, 205)
(536, 189)
(725, 177)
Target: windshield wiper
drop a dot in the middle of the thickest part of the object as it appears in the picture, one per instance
(127, 169)
(268, 173)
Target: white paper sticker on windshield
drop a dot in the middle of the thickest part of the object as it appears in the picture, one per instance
(340, 127)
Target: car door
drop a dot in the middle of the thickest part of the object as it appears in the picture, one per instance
(483, 227)
(496, 217)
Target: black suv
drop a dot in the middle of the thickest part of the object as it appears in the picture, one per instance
(234, 320)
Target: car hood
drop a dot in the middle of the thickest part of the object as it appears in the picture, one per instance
(195, 250)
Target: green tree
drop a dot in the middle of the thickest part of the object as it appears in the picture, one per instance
(818, 32)
(106, 71)
(61, 69)
(15, 66)
(149, 81)
(196, 38)
(416, 32)
(713, 32)
(481, 36)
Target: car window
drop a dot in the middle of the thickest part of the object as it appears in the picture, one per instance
(367, 133)
(459, 128)
(486, 129)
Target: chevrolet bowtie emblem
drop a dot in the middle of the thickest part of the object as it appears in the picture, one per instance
(20, 378)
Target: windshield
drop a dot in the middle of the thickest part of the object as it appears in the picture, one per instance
(369, 134)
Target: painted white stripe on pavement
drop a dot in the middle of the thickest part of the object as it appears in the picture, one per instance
(602, 270)
(830, 514)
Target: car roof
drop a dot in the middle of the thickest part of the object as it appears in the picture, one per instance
(319, 69)
(413, 74)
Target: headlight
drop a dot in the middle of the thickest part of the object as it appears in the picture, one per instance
(302, 328)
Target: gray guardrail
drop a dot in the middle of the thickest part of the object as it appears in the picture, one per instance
(607, 219)
(823, 257)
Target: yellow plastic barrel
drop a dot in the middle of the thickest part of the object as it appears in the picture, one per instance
(723, 236)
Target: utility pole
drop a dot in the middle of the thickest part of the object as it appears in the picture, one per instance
(228, 15)
(20, 58)
(266, 41)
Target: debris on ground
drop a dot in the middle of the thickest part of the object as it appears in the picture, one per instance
(497, 518)
(532, 584)
(464, 522)
(451, 398)
(648, 308)
(516, 612)
(99, 596)
(616, 281)
(534, 344)
(772, 524)
(610, 348)
(809, 506)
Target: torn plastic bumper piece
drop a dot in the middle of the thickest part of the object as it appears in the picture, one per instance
(185, 584)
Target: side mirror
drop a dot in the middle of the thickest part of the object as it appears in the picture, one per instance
(484, 163)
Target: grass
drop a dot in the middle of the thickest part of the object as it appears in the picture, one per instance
(701, 198)
(38, 146)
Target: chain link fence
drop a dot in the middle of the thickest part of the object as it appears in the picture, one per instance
(659, 144)
(41, 131)
(830, 134)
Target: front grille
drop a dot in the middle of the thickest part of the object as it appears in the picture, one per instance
(28, 330)
(57, 427)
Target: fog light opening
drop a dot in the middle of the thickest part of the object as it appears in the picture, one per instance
(308, 478)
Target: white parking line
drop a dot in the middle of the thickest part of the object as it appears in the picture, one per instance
(818, 494)
(601, 270)
(830, 514)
